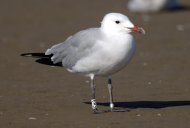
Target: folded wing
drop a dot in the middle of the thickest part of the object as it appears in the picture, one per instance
(74, 47)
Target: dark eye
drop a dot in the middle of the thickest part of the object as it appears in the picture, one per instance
(117, 22)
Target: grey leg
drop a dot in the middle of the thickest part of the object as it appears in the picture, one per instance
(93, 100)
(110, 88)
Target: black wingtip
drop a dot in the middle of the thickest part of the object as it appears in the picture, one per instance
(47, 61)
(36, 55)
(42, 58)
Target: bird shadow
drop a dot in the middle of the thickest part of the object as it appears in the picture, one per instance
(145, 104)
(42, 58)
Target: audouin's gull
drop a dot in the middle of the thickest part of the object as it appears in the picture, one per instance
(99, 51)
(146, 6)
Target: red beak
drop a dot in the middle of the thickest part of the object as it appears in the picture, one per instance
(138, 29)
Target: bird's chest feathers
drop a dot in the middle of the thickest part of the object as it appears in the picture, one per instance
(108, 56)
(117, 50)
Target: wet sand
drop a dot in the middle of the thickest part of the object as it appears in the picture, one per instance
(154, 87)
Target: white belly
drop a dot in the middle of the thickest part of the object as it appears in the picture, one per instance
(117, 59)
(108, 59)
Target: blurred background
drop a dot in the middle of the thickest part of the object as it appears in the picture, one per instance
(36, 95)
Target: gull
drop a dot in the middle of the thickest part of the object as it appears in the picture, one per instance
(100, 51)
(146, 6)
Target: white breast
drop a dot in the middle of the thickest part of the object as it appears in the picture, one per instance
(107, 57)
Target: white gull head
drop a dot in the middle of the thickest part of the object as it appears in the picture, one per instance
(119, 23)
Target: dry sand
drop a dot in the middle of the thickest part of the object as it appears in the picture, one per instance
(154, 87)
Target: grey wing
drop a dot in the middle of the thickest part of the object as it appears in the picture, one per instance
(75, 47)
